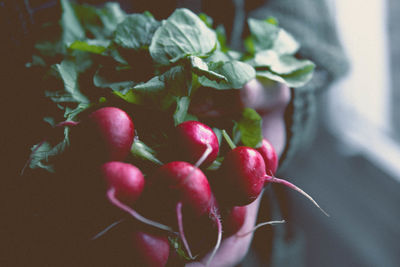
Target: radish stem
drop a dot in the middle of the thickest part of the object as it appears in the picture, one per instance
(200, 161)
(180, 226)
(66, 123)
(258, 226)
(137, 216)
(101, 233)
(204, 156)
(272, 179)
(228, 139)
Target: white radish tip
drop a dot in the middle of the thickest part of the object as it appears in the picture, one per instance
(273, 179)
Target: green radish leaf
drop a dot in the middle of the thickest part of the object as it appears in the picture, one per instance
(71, 114)
(285, 44)
(218, 133)
(176, 244)
(177, 80)
(263, 34)
(111, 78)
(182, 34)
(250, 128)
(288, 64)
(206, 19)
(72, 29)
(182, 106)
(267, 35)
(280, 64)
(142, 151)
(154, 85)
(43, 153)
(50, 120)
(216, 164)
(67, 70)
(200, 68)
(92, 46)
(237, 74)
(136, 31)
(99, 22)
(130, 97)
(295, 79)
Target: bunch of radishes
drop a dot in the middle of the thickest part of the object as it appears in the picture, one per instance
(175, 199)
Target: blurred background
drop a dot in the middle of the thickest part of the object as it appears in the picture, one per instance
(352, 167)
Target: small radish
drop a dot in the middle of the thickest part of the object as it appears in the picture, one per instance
(150, 250)
(180, 181)
(243, 176)
(197, 143)
(268, 153)
(105, 135)
(125, 185)
(182, 187)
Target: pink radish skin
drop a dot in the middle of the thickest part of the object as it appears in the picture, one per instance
(150, 250)
(244, 173)
(268, 153)
(241, 178)
(233, 219)
(197, 143)
(180, 181)
(127, 180)
(125, 186)
(106, 135)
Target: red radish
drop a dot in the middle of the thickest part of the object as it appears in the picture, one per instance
(268, 153)
(126, 179)
(180, 181)
(106, 135)
(197, 143)
(233, 219)
(244, 175)
(181, 186)
(150, 250)
(125, 185)
(240, 180)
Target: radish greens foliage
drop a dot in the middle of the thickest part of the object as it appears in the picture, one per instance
(103, 55)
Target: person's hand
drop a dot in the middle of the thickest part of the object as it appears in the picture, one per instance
(269, 100)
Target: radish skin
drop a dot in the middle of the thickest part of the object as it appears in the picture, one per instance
(197, 143)
(244, 173)
(125, 185)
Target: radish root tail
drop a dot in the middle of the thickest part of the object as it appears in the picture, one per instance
(181, 232)
(137, 216)
(272, 179)
(105, 230)
(258, 226)
(219, 237)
